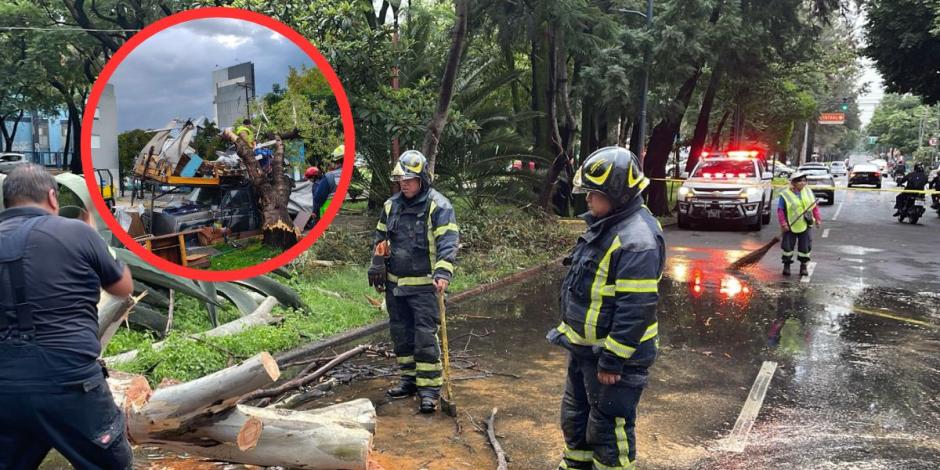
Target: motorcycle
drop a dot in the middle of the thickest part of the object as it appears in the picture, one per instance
(898, 176)
(913, 209)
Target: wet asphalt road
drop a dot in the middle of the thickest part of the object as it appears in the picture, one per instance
(857, 346)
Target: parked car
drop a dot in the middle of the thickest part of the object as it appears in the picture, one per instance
(865, 173)
(781, 170)
(9, 161)
(820, 181)
(726, 189)
(838, 169)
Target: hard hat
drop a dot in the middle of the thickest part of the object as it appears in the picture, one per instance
(797, 175)
(613, 171)
(338, 153)
(411, 164)
(312, 172)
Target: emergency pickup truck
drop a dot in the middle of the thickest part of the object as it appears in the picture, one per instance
(727, 187)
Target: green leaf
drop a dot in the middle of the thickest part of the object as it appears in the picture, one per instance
(76, 184)
(210, 290)
(154, 297)
(243, 302)
(142, 271)
(267, 286)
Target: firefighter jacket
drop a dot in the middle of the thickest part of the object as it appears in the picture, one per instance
(609, 296)
(423, 237)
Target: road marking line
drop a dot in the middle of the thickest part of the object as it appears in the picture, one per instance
(892, 317)
(810, 268)
(737, 440)
(826, 232)
(838, 210)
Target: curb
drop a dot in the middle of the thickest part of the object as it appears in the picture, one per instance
(347, 336)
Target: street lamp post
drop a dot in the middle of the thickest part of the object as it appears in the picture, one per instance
(637, 147)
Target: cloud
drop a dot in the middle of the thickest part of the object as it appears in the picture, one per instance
(170, 74)
(230, 41)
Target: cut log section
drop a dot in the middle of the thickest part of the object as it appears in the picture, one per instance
(261, 316)
(198, 417)
(295, 439)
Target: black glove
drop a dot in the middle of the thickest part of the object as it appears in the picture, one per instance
(377, 273)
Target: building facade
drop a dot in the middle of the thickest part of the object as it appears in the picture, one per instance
(233, 89)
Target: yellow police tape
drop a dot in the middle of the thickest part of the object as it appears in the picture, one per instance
(834, 188)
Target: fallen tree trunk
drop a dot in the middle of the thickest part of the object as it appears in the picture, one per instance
(261, 316)
(199, 417)
(324, 439)
(303, 378)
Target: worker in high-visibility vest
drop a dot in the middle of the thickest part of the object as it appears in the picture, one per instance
(244, 131)
(797, 211)
(325, 189)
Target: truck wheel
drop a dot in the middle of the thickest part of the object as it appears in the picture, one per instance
(765, 219)
(878, 186)
(682, 222)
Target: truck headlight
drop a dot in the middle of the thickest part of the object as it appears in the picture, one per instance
(750, 191)
(686, 192)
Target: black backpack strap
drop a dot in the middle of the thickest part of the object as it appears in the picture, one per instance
(11, 257)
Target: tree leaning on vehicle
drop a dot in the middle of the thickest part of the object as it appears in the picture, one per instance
(273, 191)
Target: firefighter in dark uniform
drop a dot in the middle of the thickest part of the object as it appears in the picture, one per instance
(421, 233)
(608, 306)
(53, 392)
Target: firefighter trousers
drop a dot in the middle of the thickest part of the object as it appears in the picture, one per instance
(598, 421)
(803, 242)
(413, 322)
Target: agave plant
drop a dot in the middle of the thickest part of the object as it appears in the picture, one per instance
(151, 312)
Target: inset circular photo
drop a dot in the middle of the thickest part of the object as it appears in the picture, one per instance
(218, 144)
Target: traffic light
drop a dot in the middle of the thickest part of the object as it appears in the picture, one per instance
(845, 104)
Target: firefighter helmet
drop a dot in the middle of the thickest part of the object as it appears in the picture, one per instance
(412, 164)
(614, 172)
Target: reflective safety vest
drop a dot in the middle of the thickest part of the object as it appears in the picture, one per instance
(248, 132)
(332, 179)
(797, 205)
(610, 293)
(423, 238)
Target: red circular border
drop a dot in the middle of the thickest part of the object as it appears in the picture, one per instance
(345, 115)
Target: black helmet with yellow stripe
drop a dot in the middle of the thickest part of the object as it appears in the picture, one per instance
(613, 171)
(412, 164)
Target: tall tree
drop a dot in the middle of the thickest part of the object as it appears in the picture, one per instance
(903, 38)
(436, 126)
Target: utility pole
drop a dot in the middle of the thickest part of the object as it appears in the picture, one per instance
(803, 151)
(246, 85)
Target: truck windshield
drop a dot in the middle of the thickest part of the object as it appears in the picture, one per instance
(204, 196)
(725, 169)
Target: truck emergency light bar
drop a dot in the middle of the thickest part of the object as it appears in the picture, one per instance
(735, 154)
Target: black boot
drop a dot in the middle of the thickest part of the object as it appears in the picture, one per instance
(803, 270)
(402, 390)
(428, 405)
(786, 269)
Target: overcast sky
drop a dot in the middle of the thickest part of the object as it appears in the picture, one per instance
(170, 74)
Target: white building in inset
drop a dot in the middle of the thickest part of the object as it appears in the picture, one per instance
(233, 88)
(104, 134)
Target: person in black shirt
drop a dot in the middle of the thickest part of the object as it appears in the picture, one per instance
(53, 392)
